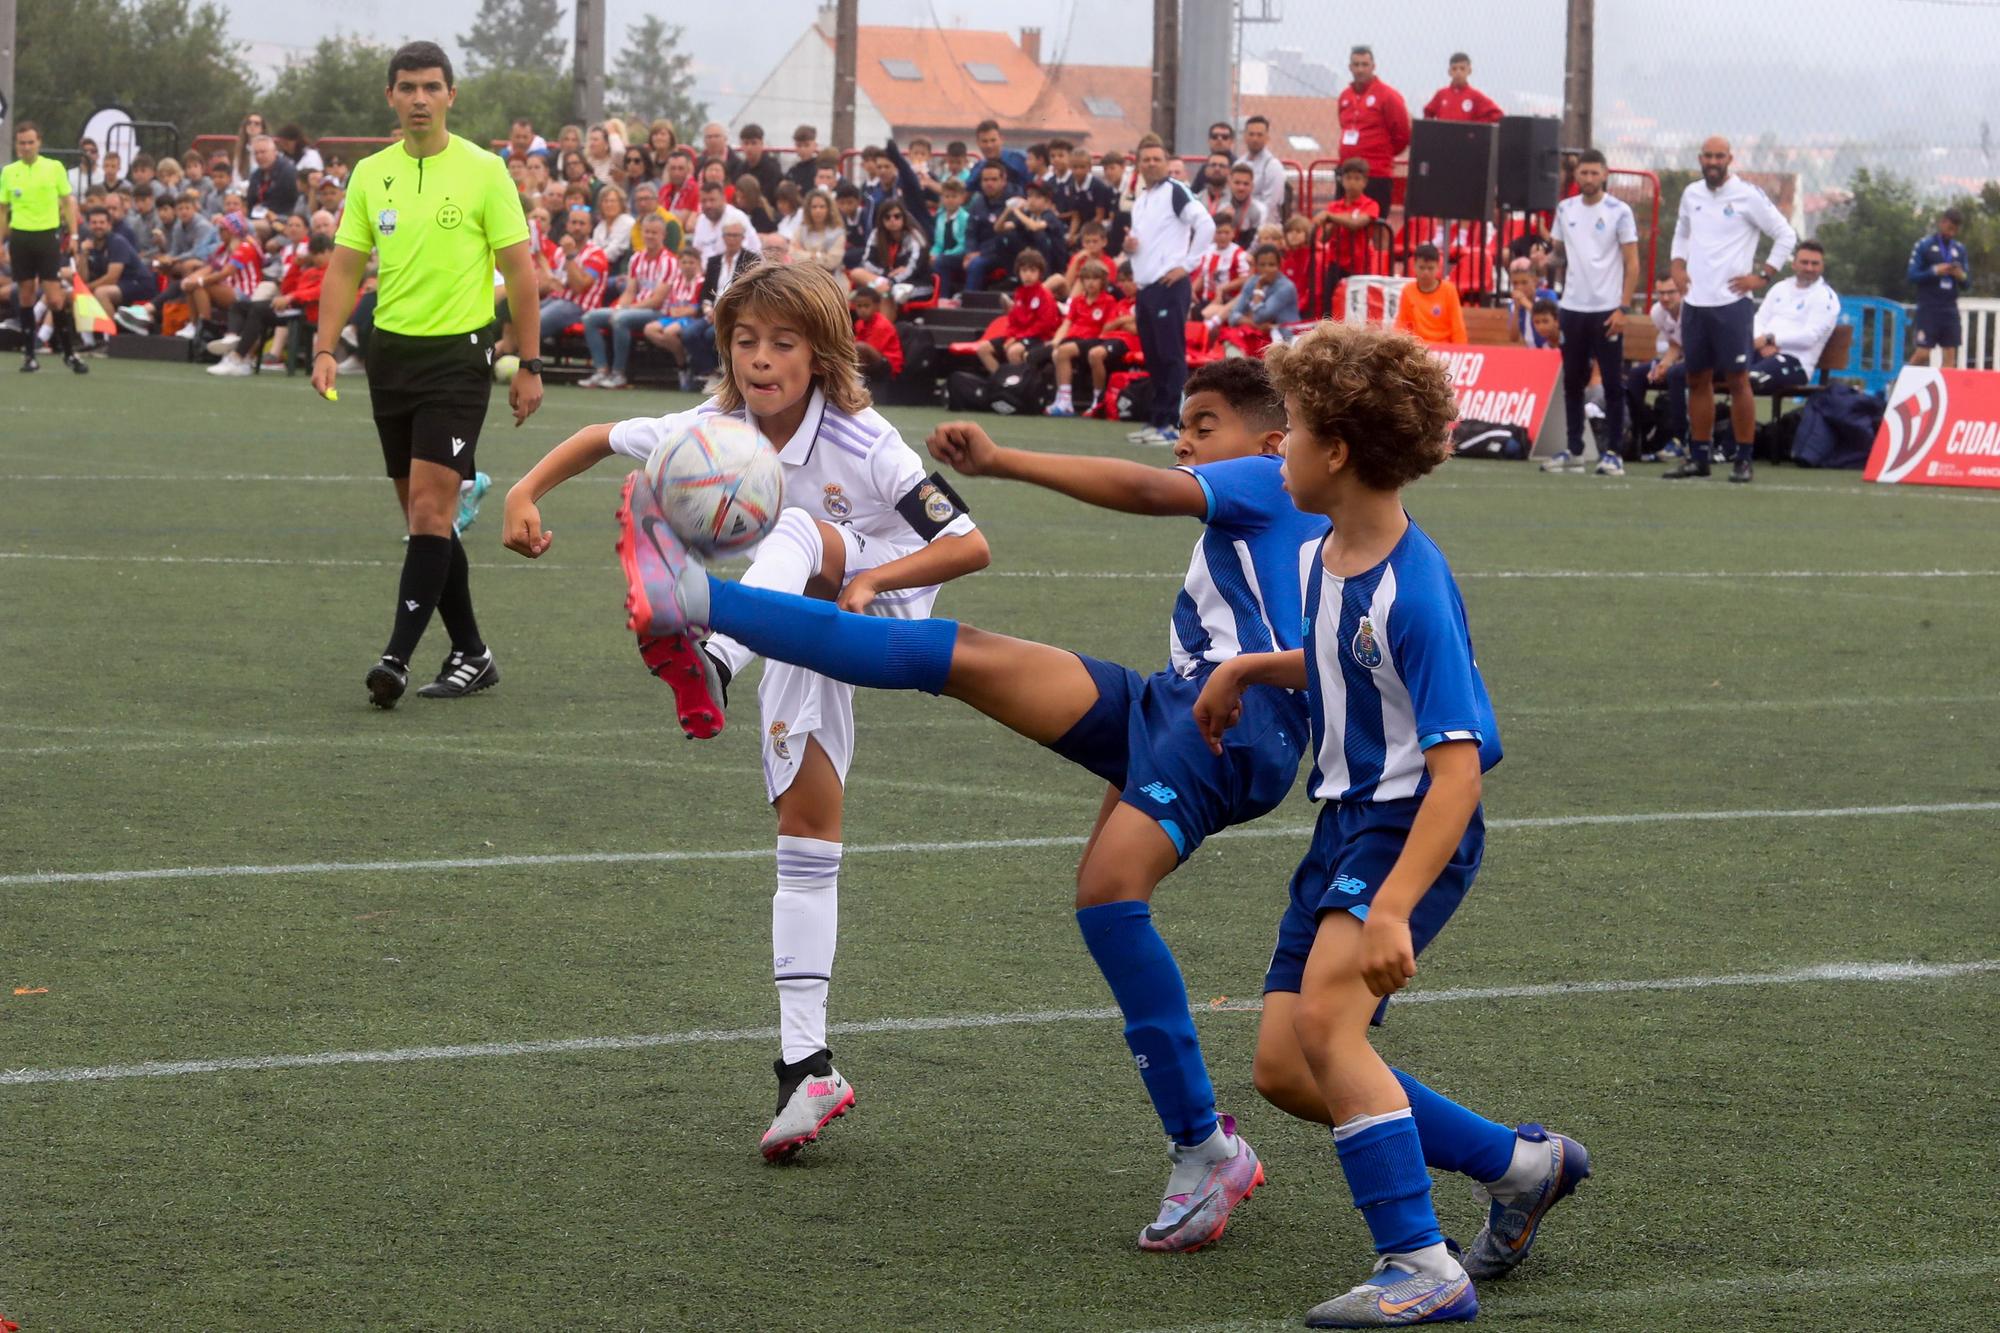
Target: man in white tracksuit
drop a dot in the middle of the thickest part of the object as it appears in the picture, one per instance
(1714, 253)
(1797, 317)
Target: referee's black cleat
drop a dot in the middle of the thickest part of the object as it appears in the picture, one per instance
(75, 363)
(29, 365)
(1742, 472)
(387, 680)
(461, 675)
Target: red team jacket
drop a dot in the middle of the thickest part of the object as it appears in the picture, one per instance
(1374, 125)
(881, 335)
(1449, 103)
(1033, 314)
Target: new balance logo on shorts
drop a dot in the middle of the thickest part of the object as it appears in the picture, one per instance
(1160, 792)
(1349, 884)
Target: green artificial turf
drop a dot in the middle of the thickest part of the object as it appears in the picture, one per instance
(195, 574)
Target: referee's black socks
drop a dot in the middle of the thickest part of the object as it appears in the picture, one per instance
(426, 565)
(64, 321)
(455, 604)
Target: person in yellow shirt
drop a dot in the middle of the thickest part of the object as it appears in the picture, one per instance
(442, 214)
(1429, 307)
(37, 213)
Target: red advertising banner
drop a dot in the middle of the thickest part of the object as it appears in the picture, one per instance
(1507, 386)
(1942, 429)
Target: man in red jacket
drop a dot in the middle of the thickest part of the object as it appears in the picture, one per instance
(1459, 100)
(1374, 125)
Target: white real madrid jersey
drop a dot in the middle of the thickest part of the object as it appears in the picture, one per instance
(850, 469)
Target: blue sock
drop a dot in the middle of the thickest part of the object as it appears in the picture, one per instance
(1456, 1139)
(1700, 450)
(873, 651)
(1745, 452)
(1147, 983)
(1384, 1166)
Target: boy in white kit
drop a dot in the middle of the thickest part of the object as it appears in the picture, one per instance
(864, 527)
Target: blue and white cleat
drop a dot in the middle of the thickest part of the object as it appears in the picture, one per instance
(666, 590)
(1397, 1297)
(1207, 1183)
(1610, 465)
(1511, 1223)
(469, 496)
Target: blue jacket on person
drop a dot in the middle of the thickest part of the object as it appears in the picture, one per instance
(1934, 288)
(1279, 306)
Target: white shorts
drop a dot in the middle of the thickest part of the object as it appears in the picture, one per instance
(797, 704)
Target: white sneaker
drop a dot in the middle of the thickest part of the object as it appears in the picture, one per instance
(1611, 465)
(1561, 462)
(134, 318)
(187, 331)
(1150, 435)
(232, 367)
(224, 345)
(353, 365)
(594, 380)
(811, 1095)
(613, 380)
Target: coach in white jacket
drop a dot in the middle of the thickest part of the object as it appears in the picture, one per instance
(1715, 248)
(1797, 317)
(1170, 234)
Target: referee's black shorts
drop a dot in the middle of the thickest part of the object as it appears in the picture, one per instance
(430, 397)
(35, 254)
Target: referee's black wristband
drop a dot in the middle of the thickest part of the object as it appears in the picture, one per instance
(318, 355)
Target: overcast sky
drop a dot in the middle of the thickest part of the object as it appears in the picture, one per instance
(1823, 53)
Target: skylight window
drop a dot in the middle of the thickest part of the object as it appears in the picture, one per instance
(1105, 107)
(983, 72)
(906, 70)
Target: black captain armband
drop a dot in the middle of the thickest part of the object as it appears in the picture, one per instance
(930, 506)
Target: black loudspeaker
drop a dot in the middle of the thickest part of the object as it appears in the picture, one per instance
(1452, 165)
(1530, 163)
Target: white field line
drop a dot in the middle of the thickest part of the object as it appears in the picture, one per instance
(1824, 972)
(1517, 1304)
(927, 848)
(1514, 575)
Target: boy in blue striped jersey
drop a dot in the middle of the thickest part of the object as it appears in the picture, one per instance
(1402, 731)
(1167, 792)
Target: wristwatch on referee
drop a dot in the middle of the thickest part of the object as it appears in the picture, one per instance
(533, 365)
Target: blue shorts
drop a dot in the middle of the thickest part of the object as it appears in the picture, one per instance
(1939, 326)
(1718, 337)
(1141, 738)
(1354, 846)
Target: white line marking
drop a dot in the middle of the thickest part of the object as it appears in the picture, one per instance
(928, 848)
(1509, 575)
(1847, 972)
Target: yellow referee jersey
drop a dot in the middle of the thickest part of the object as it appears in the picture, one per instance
(437, 222)
(33, 193)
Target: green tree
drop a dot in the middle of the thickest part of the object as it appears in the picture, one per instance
(516, 35)
(169, 60)
(1868, 239)
(338, 89)
(654, 79)
(487, 103)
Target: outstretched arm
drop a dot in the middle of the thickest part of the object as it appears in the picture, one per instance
(1108, 483)
(521, 529)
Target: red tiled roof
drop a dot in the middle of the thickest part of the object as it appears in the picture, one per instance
(1130, 87)
(946, 98)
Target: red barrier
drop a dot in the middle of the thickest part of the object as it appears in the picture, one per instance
(1942, 429)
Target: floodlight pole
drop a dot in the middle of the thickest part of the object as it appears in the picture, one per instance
(1166, 68)
(1579, 74)
(846, 44)
(589, 75)
(6, 79)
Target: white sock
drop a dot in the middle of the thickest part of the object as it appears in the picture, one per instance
(1432, 1261)
(805, 913)
(1062, 396)
(1531, 1163)
(785, 561)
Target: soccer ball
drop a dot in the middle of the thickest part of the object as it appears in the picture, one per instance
(506, 368)
(720, 484)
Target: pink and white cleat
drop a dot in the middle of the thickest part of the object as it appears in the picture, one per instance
(811, 1095)
(666, 590)
(1207, 1183)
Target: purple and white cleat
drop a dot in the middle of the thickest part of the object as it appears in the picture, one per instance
(1207, 1183)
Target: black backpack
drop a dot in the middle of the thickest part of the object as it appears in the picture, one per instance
(1487, 439)
(1021, 390)
(968, 391)
(1135, 399)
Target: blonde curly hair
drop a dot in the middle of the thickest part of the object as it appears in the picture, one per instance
(1380, 393)
(808, 299)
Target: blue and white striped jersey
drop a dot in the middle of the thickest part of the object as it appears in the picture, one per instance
(1389, 673)
(1242, 589)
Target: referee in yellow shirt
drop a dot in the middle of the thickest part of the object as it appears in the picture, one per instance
(36, 211)
(442, 214)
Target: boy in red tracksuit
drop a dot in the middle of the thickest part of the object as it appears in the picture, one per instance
(1082, 335)
(876, 342)
(1031, 315)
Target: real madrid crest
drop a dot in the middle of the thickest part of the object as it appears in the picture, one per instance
(837, 504)
(1367, 652)
(937, 505)
(778, 746)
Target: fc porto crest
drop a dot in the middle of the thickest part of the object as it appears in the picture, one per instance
(1366, 649)
(836, 503)
(385, 222)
